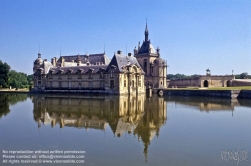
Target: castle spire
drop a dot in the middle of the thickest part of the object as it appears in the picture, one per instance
(146, 33)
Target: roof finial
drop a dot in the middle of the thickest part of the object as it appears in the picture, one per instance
(146, 32)
(104, 48)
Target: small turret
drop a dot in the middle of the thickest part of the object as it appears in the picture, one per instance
(135, 51)
(37, 62)
(157, 50)
(78, 60)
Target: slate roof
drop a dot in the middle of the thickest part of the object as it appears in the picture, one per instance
(77, 69)
(145, 47)
(121, 61)
(92, 58)
(44, 68)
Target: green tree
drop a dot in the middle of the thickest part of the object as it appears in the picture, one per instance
(4, 71)
(30, 79)
(243, 75)
(180, 76)
(18, 79)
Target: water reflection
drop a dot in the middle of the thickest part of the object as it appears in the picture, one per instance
(138, 115)
(6, 100)
(210, 104)
(145, 118)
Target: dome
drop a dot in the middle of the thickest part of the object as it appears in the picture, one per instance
(38, 61)
(159, 61)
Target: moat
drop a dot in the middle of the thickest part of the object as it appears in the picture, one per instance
(122, 130)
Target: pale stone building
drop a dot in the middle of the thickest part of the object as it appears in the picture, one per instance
(96, 73)
(89, 73)
(150, 61)
(203, 81)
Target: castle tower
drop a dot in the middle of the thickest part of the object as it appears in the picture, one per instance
(150, 61)
(37, 63)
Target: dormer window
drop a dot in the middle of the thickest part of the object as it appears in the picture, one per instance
(79, 72)
(101, 74)
(90, 73)
(69, 73)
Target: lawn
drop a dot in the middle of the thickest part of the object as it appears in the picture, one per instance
(215, 88)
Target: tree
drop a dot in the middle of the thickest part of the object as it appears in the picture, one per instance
(4, 71)
(30, 79)
(180, 76)
(18, 79)
(243, 75)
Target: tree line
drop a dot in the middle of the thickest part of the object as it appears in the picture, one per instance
(243, 75)
(12, 78)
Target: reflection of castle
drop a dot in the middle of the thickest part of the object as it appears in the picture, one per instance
(138, 115)
(155, 117)
(209, 104)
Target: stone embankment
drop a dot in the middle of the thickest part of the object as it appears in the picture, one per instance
(210, 93)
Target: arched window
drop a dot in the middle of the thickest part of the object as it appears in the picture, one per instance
(145, 65)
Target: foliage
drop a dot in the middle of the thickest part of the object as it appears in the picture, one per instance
(13, 78)
(181, 76)
(243, 75)
(9, 99)
(4, 70)
(18, 79)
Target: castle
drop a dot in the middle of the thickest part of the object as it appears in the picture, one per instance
(97, 73)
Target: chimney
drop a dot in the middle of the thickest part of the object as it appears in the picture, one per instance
(53, 61)
(119, 52)
(62, 62)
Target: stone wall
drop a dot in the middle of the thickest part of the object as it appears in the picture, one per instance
(203, 93)
(241, 82)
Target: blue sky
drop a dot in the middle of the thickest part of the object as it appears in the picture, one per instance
(192, 35)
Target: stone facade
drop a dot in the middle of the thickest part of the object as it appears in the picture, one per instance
(89, 73)
(241, 82)
(203, 81)
(96, 73)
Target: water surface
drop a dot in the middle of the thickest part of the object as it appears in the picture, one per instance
(126, 130)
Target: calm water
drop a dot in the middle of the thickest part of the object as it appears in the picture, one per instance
(126, 131)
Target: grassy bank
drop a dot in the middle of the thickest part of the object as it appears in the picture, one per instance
(215, 88)
(14, 90)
